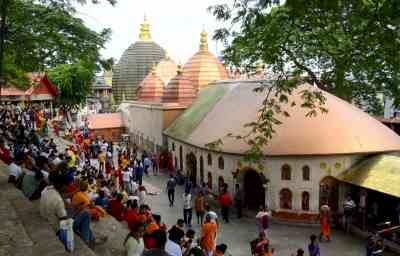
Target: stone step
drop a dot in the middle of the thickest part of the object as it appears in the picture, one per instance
(24, 231)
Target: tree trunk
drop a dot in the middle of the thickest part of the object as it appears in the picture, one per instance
(3, 15)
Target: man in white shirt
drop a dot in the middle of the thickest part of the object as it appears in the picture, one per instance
(172, 246)
(126, 178)
(187, 208)
(14, 171)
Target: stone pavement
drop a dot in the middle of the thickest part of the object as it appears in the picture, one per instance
(238, 233)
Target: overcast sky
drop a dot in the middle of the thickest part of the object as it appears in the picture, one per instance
(174, 24)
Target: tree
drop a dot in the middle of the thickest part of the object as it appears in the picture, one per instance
(35, 35)
(73, 82)
(349, 48)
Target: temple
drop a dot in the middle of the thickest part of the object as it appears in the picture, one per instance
(309, 160)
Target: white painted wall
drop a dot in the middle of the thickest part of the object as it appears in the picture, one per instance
(143, 120)
(320, 167)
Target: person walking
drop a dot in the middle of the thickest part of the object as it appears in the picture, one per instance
(187, 208)
(208, 234)
(199, 207)
(127, 181)
(171, 184)
(262, 218)
(225, 201)
(324, 218)
(139, 170)
(238, 201)
(348, 210)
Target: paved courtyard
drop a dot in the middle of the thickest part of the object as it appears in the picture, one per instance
(237, 234)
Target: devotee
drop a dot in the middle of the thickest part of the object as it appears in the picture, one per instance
(348, 210)
(188, 242)
(139, 173)
(262, 219)
(172, 246)
(178, 229)
(133, 243)
(32, 183)
(187, 208)
(131, 213)
(81, 198)
(199, 207)
(208, 234)
(171, 184)
(238, 200)
(101, 199)
(324, 217)
(225, 201)
(116, 208)
(126, 177)
(14, 170)
(220, 250)
(313, 247)
(160, 238)
(213, 215)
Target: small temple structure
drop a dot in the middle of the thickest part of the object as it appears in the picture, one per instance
(41, 91)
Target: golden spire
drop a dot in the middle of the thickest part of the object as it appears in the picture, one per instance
(179, 68)
(259, 67)
(145, 30)
(153, 68)
(203, 41)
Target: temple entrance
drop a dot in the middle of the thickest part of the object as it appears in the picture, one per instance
(254, 191)
(191, 168)
(329, 191)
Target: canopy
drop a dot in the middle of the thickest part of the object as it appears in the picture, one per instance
(380, 173)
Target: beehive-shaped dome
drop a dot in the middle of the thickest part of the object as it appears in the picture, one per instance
(179, 90)
(151, 88)
(135, 63)
(204, 67)
(166, 69)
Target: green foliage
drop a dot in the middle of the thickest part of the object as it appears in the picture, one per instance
(349, 48)
(45, 34)
(73, 81)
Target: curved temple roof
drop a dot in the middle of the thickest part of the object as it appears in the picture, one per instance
(345, 129)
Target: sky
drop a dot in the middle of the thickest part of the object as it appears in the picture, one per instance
(174, 24)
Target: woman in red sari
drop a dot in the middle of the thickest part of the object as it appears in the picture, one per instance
(324, 219)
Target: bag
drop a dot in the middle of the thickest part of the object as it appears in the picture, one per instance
(66, 234)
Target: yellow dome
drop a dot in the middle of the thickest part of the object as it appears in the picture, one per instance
(204, 67)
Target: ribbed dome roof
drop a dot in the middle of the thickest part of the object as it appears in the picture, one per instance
(179, 90)
(166, 69)
(225, 108)
(151, 88)
(203, 67)
(134, 64)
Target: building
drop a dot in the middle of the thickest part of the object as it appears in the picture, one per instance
(303, 160)
(41, 91)
(162, 99)
(107, 126)
(100, 98)
(134, 65)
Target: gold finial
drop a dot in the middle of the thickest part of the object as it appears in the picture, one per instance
(145, 30)
(203, 41)
(179, 68)
(259, 67)
(166, 56)
(153, 68)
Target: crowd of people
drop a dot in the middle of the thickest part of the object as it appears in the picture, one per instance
(93, 178)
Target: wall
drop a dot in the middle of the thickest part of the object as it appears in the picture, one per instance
(320, 167)
(113, 134)
(147, 121)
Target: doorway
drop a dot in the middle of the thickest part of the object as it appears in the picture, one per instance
(191, 165)
(254, 191)
(329, 191)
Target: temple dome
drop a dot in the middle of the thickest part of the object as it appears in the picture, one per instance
(204, 67)
(179, 90)
(166, 69)
(227, 106)
(151, 88)
(135, 63)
